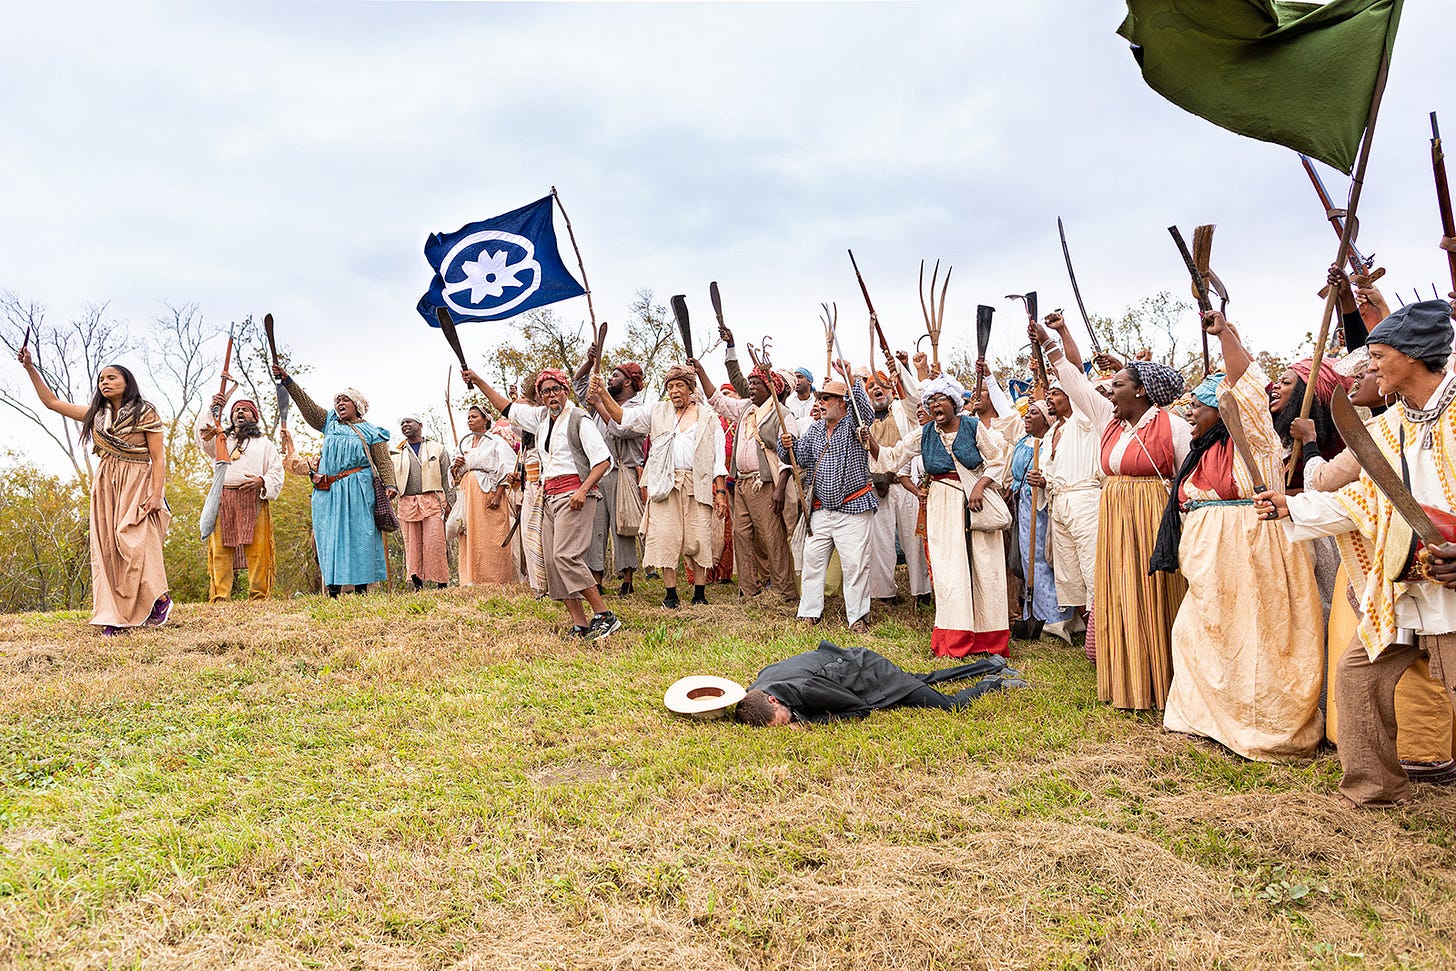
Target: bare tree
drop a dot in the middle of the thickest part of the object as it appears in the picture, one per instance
(69, 358)
(183, 358)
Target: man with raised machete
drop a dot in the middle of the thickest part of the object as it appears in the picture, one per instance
(1409, 600)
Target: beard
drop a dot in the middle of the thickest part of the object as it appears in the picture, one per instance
(247, 429)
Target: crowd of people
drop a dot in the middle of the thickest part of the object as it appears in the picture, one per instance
(1219, 557)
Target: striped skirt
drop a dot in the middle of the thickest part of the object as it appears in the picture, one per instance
(1135, 612)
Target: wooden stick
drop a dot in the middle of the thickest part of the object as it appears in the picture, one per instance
(1357, 183)
(1031, 559)
(1443, 194)
(579, 264)
(449, 372)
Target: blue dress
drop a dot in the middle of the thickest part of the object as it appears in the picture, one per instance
(1044, 598)
(350, 548)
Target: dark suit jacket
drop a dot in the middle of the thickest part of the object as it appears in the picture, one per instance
(834, 682)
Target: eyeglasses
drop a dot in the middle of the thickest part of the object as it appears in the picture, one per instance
(551, 389)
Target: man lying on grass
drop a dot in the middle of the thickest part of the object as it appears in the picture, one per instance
(832, 682)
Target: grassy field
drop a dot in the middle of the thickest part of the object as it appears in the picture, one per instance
(442, 781)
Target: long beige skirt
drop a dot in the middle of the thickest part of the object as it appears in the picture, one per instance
(1248, 643)
(482, 558)
(1135, 611)
(127, 571)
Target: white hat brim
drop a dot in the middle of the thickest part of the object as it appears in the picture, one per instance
(702, 694)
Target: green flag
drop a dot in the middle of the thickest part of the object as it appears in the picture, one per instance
(1296, 74)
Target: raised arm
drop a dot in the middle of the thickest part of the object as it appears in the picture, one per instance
(1236, 357)
(735, 370)
(311, 412)
(1070, 350)
(47, 397)
(499, 401)
(1084, 397)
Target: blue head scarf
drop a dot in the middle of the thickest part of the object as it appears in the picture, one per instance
(1207, 392)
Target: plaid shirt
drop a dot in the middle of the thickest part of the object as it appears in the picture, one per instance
(839, 464)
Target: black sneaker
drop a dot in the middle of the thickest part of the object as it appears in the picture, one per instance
(603, 624)
(579, 633)
(670, 600)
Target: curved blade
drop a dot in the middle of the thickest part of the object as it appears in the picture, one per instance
(717, 299)
(447, 327)
(1378, 467)
(1228, 409)
(684, 326)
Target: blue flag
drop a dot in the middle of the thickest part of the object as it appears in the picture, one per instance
(498, 267)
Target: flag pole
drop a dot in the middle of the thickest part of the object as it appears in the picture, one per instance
(1357, 183)
(579, 265)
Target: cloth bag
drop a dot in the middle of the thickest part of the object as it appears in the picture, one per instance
(384, 518)
(629, 503)
(657, 473)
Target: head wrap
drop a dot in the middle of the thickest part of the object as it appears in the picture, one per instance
(773, 380)
(997, 397)
(683, 373)
(1207, 391)
(862, 372)
(808, 375)
(413, 416)
(1354, 364)
(1018, 388)
(1162, 383)
(251, 404)
(1041, 406)
(552, 374)
(1329, 379)
(786, 377)
(361, 403)
(882, 378)
(632, 371)
(1419, 330)
(946, 385)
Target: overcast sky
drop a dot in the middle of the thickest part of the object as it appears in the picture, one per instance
(291, 158)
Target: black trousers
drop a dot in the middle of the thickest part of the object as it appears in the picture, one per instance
(928, 697)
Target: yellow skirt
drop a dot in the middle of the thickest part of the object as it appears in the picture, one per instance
(1135, 612)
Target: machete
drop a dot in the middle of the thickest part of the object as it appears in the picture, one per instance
(717, 300)
(1228, 410)
(283, 401)
(1381, 472)
(983, 343)
(684, 326)
(1076, 292)
(447, 327)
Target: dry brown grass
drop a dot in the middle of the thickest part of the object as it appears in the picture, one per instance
(440, 781)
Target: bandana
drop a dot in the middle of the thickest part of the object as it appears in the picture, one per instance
(251, 404)
(946, 385)
(775, 382)
(808, 375)
(552, 374)
(728, 389)
(1162, 383)
(1419, 330)
(1329, 379)
(1207, 392)
(683, 373)
(632, 371)
(360, 402)
(1354, 364)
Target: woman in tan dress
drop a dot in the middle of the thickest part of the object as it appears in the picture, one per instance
(129, 517)
(482, 471)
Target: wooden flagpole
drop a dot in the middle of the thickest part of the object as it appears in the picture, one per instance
(571, 235)
(1357, 183)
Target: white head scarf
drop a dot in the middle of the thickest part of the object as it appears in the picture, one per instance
(946, 385)
(360, 402)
